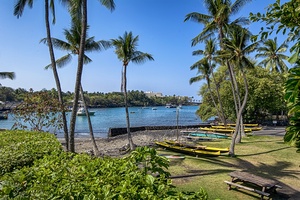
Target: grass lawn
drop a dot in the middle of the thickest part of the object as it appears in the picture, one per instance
(267, 156)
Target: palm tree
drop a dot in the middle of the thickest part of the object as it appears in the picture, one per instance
(78, 10)
(218, 20)
(272, 54)
(236, 52)
(210, 54)
(10, 75)
(204, 72)
(126, 51)
(72, 46)
(18, 11)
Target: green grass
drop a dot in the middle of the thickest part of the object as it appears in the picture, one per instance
(267, 156)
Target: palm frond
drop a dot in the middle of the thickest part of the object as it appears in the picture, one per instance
(109, 4)
(20, 5)
(10, 75)
(61, 62)
(237, 5)
(141, 57)
(197, 52)
(198, 17)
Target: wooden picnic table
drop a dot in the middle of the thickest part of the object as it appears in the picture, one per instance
(265, 186)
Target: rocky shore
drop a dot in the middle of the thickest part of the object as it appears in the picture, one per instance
(114, 146)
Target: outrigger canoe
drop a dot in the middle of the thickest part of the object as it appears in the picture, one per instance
(252, 128)
(188, 150)
(222, 150)
(224, 130)
(208, 135)
(247, 125)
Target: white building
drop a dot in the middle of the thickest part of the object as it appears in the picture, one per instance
(153, 94)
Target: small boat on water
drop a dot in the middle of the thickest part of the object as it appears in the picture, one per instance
(170, 106)
(3, 116)
(81, 112)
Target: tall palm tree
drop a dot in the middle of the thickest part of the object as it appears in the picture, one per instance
(236, 51)
(273, 55)
(72, 45)
(126, 51)
(218, 21)
(78, 10)
(18, 11)
(209, 53)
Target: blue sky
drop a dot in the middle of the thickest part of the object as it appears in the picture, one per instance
(161, 30)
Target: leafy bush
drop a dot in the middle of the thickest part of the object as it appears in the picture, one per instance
(21, 148)
(79, 176)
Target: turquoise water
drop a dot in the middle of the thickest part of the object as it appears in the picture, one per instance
(106, 118)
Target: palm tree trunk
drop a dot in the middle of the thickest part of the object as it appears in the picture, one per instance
(131, 144)
(223, 118)
(56, 77)
(78, 75)
(213, 99)
(96, 150)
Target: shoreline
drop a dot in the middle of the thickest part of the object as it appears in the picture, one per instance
(114, 146)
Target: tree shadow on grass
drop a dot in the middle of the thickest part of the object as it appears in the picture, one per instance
(265, 152)
(278, 171)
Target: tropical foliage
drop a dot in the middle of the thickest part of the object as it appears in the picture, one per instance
(217, 24)
(273, 55)
(285, 18)
(45, 171)
(266, 91)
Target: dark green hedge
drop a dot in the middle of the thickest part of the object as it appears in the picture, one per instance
(21, 148)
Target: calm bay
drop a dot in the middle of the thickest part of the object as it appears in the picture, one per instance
(106, 118)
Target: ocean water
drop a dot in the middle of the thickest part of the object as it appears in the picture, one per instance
(106, 118)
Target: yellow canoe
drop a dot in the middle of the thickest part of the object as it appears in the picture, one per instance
(187, 150)
(174, 143)
(224, 130)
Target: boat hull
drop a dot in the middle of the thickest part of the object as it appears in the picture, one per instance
(84, 114)
(187, 150)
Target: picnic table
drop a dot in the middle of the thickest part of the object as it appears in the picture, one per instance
(257, 184)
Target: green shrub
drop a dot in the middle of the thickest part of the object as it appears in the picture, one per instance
(79, 176)
(21, 148)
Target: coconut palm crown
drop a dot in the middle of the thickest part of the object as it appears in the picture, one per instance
(273, 55)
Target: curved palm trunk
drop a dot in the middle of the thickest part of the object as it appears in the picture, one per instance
(78, 75)
(131, 144)
(213, 99)
(231, 150)
(56, 77)
(96, 150)
(223, 118)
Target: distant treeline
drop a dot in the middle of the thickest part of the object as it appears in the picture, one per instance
(100, 99)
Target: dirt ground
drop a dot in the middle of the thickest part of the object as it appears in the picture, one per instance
(116, 146)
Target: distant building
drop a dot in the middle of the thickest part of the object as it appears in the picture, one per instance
(153, 94)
